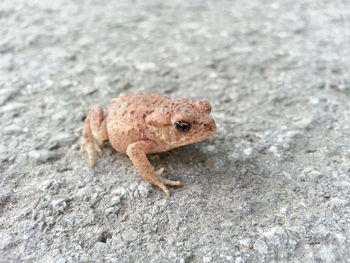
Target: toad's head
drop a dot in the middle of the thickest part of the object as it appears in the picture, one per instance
(182, 122)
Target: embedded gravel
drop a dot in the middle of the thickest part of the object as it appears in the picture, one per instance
(274, 186)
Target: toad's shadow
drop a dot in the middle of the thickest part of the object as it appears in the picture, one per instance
(193, 164)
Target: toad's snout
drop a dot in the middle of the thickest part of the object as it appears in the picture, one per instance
(210, 126)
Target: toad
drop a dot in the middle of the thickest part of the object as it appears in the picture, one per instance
(139, 124)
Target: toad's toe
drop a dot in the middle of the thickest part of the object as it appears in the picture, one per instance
(165, 189)
(160, 171)
(171, 182)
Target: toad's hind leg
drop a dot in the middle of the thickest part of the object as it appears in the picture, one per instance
(94, 134)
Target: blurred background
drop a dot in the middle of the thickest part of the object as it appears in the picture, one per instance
(273, 186)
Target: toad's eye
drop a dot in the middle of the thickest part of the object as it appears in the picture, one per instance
(182, 126)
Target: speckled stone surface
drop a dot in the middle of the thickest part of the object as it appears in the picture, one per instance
(274, 186)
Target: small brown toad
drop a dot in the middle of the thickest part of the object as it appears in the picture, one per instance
(147, 123)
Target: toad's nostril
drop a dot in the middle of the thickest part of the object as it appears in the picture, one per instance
(207, 126)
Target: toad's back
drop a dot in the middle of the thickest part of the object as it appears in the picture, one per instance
(126, 118)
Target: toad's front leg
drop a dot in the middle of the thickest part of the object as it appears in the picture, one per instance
(137, 153)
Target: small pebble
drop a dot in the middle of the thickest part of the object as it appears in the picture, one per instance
(42, 156)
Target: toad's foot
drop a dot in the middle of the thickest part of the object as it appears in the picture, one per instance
(137, 153)
(94, 134)
(161, 183)
(92, 149)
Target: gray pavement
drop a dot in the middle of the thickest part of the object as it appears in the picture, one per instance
(274, 186)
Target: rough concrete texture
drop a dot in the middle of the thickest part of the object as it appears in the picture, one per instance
(274, 186)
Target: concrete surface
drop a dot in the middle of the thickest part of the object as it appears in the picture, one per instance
(273, 187)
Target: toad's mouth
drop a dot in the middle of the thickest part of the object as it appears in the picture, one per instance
(209, 137)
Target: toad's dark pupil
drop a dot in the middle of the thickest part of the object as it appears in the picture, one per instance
(183, 126)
